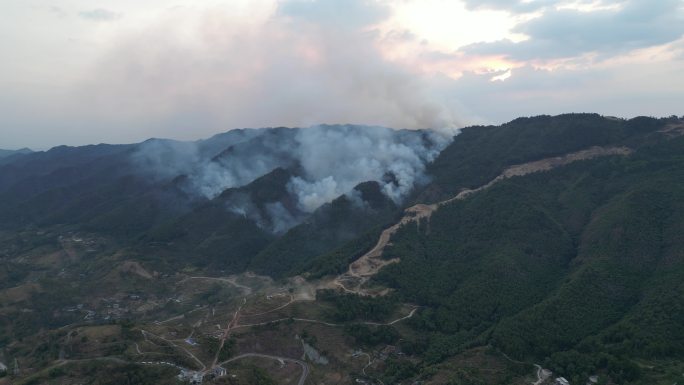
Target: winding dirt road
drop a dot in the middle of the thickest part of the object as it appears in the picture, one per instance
(302, 364)
(290, 302)
(369, 264)
(233, 281)
(542, 375)
(413, 311)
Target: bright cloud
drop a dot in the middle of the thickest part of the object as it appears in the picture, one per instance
(88, 71)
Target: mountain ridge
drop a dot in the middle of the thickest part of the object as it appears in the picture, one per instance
(548, 240)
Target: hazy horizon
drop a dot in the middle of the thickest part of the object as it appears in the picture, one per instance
(121, 72)
(36, 149)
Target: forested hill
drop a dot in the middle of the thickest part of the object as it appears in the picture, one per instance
(580, 268)
(480, 153)
(109, 190)
(6, 153)
(577, 267)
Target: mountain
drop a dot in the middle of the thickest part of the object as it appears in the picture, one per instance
(379, 256)
(223, 200)
(481, 153)
(329, 228)
(579, 267)
(9, 153)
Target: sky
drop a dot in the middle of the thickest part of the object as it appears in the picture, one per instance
(90, 71)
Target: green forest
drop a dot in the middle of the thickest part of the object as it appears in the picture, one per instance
(580, 268)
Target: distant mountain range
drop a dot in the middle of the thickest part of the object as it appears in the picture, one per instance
(578, 266)
(8, 153)
(227, 198)
(5, 153)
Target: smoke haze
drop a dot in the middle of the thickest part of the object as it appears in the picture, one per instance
(200, 72)
(337, 159)
(324, 162)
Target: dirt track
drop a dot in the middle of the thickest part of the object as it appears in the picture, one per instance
(302, 364)
(370, 263)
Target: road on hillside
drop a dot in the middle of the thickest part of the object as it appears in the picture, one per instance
(371, 262)
(233, 281)
(302, 364)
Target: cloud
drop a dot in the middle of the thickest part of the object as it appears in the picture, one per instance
(624, 89)
(57, 11)
(678, 50)
(209, 71)
(335, 13)
(517, 7)
(100, 14)
(566, 33)
(190, 71)
(513, 6)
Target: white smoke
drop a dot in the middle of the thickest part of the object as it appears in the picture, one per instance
(206, 175)
(332, 160)
(212, 178)
(281, 219)
(166, 159)
(313, 195)
(328, 162)
(356, 199)
(336, 159)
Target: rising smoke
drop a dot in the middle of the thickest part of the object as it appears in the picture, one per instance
(299, 65)
(325, 161)
(335, 159)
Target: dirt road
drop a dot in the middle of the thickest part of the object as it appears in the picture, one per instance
(232, 325)
(233, 281)
(542, 375)
(413, 311)
(186, 351)
(369, 264)
(302, 364)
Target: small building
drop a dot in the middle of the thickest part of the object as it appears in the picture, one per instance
(218, 372)
(562, 381)
(191, 376)
(197, 378)
(3, 368)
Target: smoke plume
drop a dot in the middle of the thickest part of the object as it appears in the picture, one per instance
(194, 72)
(324, 162)
(335, 159)
(302, 64)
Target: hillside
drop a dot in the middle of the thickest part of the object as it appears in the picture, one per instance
(200, 195)
(11, 153)
(579, 267)
(482, 152)
(548, 241)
